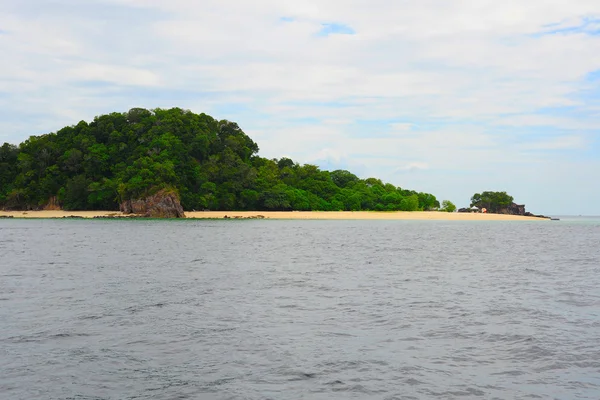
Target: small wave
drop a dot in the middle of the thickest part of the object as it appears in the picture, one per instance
(43, 336)
(577, 303)
(538, 272)
(413, 382)
(301, 376)
(353, 389)
(552, 367)
(336, 334)
(220, 382)
(411, 339)
(92, 317)
(333, 366)
(510, 373)
(468, 391)
(494, 338)
(288, 306)
(69, 335)
(532, 353)
(138, 308)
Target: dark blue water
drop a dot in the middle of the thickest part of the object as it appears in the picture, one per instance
(299, 309)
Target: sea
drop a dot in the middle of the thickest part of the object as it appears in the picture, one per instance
(299, 309)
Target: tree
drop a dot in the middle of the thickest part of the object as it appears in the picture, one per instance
(343, 178)
(75, 193)
(285, 162)
(492, 201)
(410, 203)
(428, 201)
(276, 199)
(8, 168)
(448, 206)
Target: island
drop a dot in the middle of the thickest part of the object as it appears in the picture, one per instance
(173, 163)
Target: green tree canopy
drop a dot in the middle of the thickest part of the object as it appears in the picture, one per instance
(492, 201)
(448, 206)
(211, 164)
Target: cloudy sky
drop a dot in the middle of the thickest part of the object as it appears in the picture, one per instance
(451, 97)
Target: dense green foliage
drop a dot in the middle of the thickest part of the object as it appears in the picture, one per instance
(211, 164)
(448, 206)
(492, 201)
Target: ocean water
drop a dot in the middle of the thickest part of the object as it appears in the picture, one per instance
(235, 309)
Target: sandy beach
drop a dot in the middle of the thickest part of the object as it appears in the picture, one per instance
(60, 214)
(320, 215)
(350, 215)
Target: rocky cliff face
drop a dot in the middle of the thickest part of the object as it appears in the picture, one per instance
(163, 204)
(513, 209)
(52, 204)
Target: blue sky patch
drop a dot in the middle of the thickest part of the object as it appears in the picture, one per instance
(593, 76)
(335, 29)
(591, 26)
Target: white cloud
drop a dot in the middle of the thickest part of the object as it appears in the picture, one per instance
(114, 74)
(412, 166)
(402, 126)
(559, 143)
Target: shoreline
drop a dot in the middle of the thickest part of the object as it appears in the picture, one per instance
(281, 215)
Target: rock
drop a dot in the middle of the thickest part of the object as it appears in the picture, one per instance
(513, 209)
(542, 216)
(6, 216)
(52, 204)
(163, 204)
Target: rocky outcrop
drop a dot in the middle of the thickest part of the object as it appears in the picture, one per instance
(519, 209)
(52, 205)
(163, 204)
(528, 214)
(513, 209)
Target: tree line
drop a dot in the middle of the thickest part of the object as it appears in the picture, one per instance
(212, 164)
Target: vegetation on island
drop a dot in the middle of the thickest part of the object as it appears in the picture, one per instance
(448, 206)
(493, 202)
(211, 164)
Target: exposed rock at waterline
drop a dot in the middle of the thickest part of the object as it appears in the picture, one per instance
(163, 204)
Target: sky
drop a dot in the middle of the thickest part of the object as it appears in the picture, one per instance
(450, 97)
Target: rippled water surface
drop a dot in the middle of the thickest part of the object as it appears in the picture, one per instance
(299, 309)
